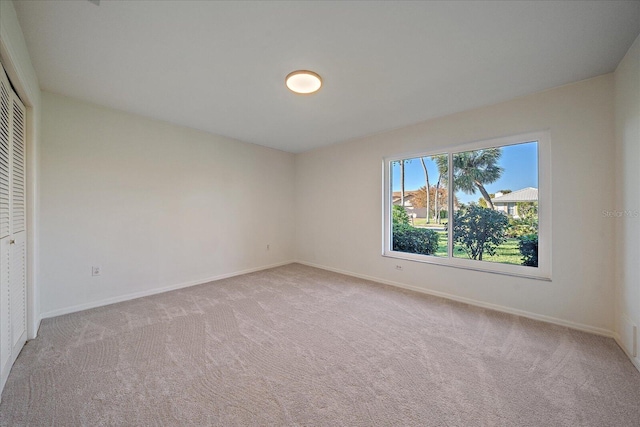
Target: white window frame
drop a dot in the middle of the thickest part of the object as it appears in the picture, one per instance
(543, 271)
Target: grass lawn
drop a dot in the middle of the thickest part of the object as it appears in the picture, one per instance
(422, 222)
(507, 253)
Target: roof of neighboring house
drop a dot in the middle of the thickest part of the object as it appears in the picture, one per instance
(408, 195)
(528, 194)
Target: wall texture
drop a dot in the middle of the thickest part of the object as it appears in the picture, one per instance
(627, 131)
(154, 205)
(339, 205)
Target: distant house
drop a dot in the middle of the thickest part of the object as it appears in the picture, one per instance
(507, 203)
(409, 204)
(409, 195)
(421, 212)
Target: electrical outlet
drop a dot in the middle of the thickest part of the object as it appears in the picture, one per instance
(398, 267)
(96, 270)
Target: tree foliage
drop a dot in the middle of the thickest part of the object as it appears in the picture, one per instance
(442, 161)
(528, 246)
(420, 199)
(527, 209)
(527, 221)
(478, 230)
(410, 239)
(472, 170)
(414, 240)
(399, 215)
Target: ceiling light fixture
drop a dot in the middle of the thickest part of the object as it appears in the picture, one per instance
(303, 81)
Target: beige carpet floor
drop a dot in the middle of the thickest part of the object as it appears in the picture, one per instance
(296, 345)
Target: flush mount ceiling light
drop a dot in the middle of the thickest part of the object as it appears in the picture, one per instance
(303, 81)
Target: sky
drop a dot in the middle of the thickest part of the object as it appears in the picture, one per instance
(520, 164)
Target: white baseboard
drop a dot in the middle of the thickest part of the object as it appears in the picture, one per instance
(504, 309)
(35, 329)
(134, 295)
(634, 360)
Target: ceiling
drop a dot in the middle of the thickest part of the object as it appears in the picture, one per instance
(220, 66)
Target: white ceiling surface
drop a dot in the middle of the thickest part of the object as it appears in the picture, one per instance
(220, 67)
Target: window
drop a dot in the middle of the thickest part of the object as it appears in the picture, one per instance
(482, 206)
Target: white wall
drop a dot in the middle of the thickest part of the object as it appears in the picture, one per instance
(17, 63)
(155, 205)
(339, 205)
(627, 131)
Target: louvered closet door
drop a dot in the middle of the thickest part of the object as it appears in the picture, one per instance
(6, 345)
(18, 220)
(13, 250)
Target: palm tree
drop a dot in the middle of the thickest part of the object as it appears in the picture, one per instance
(473, 169)
(402, 183)
(401, 163)
(426, 178)
(442, 161)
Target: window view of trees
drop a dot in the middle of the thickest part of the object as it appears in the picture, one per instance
(493, 200)
(424, 210)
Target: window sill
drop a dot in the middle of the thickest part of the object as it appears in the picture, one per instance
(467, 264)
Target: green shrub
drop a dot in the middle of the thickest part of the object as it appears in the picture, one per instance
(522, 227)
(527, 209)
(528, 245)
(400, 215)
(527, 221)
(444, 214)
(478, 230)
(414, 240)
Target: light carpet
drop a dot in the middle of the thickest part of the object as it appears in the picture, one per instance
(297, 345)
